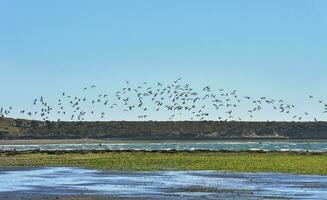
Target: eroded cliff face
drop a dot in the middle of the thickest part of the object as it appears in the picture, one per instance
(27, 129)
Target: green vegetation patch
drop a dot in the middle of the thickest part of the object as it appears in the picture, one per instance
(297, 163)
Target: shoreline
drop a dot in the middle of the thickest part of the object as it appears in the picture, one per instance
(120, 141)
(173, 151)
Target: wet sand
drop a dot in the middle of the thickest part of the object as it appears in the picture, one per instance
(36, 196)
(76, 183)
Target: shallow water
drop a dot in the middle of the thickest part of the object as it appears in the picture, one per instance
(234, 146)
(162, 185)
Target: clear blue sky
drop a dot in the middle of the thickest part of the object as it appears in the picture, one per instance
(262, 48)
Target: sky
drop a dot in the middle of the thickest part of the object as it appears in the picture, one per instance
(261, 48)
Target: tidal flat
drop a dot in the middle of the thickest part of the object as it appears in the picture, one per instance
(78, 183)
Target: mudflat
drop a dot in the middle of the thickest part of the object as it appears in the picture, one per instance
(77, 183)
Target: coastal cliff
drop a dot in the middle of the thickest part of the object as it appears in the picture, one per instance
(12, 129)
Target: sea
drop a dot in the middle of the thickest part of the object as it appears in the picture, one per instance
(281, 146)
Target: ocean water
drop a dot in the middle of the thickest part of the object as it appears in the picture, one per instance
(161, 185)
(308, 146)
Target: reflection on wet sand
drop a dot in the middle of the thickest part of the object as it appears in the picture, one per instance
(64, 182)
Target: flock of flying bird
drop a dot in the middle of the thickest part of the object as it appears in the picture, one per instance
(176, 99)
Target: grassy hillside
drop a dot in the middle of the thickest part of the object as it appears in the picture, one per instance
(151, 130)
